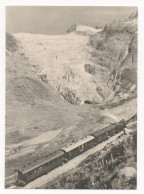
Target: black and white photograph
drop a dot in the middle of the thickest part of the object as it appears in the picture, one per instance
(71, 97)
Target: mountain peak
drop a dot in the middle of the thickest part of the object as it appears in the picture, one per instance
(133, 15)
(81, 28)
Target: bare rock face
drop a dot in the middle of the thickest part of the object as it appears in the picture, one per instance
(116, 49)
(82, 29)
(11, 43)
(133, 15)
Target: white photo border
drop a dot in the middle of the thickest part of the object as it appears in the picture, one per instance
(140, 100)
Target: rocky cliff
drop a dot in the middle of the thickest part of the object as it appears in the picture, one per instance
(116, 49)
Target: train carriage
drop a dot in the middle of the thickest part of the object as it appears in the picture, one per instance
(110, 130)
(78, 146)
(40, 167)
(120, 126)
(53, 160)
(100, 135)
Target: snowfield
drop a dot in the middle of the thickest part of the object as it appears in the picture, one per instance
(61, 59)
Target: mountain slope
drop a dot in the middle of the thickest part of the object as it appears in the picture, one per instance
(46, 74)
(87, 65)
(32, 106)
(116, 48)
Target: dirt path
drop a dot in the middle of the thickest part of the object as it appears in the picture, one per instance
(32, 143)
(66, 167)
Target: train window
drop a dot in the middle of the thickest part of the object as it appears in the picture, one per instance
(40, 167)
(47, 164)
(29, 173)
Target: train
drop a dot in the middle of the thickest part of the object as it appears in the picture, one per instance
(46, 164)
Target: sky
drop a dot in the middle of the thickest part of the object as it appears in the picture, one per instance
(54, 20)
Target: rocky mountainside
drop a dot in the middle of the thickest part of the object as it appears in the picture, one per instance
(116, 49)
(82, 29)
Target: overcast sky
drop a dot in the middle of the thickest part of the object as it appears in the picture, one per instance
(56, 20)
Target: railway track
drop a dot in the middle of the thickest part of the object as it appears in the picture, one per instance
(131, 124)
(73, 163)
(11, 179)
(10, 176)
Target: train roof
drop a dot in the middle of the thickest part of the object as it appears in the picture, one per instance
(77, 143)
(105, 129)
(40, 162)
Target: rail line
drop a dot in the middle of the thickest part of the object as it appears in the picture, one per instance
(10, 176)
(11, 179)
(132, 123)
(70, 165)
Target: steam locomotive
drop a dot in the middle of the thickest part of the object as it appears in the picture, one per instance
(44, 165)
